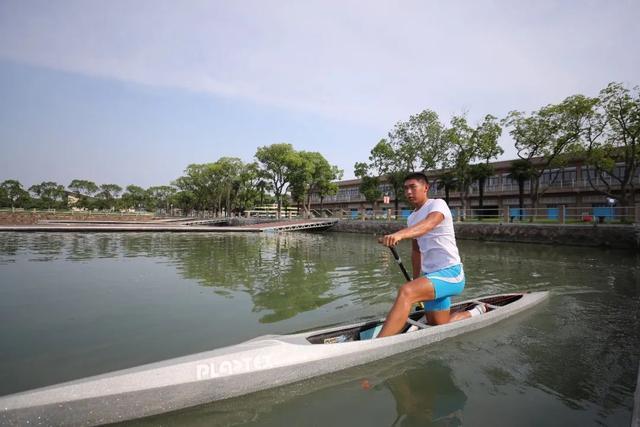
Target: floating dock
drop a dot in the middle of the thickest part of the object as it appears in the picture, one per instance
(186, 225)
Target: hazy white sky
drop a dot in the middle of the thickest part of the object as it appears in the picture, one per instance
(133, 91)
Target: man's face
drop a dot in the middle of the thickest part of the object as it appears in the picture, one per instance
(416, 191)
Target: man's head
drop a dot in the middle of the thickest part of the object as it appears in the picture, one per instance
(416, 186)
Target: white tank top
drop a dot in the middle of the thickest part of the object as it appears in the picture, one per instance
(438, 246)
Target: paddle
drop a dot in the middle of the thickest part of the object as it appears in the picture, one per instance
(399, 261)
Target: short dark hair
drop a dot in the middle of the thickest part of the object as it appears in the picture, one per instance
(417, 176)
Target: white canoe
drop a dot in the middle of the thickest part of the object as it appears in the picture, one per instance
(259, 364)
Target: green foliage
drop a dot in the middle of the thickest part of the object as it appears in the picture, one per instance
(109, 191)
(134, 197)
(417, 143)
(369, 186)
(412, 145)
(278, 163)
(486, 137)
(612, 137)
(521, 170)
(159, 197)
(387, 161)
(107, 197)
(13, 194)
(329, 187)
(550, 135)
(227, 185)
(49, 195)
(313, 174)
(83, 187)
(463, 149)
(449, 181)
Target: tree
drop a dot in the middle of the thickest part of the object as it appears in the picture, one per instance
(466, 145)
(417, 142)
(486, 137)
(369, 186)
(83, 189)
(4, 198)
(521, 171)
(109, 191)
(278, 162)
(460, 138)
(184, 200)
(481, 172)
(201, 183)
(15, 194)
(227, 171)
(108, 195)
(50, 193)
(549, 135)
(329, 187)
(262, 187)
(386, 161)
(248, 190)
(449, 181)
(135, 197)
(412, 145)
(311, 175)
(612, 144)
(160, 196)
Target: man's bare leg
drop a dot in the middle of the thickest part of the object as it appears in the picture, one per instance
(420, 289)
(444, 316)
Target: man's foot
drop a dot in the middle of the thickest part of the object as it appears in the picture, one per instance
(478, 310)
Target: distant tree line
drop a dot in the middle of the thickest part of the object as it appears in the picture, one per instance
(223, 187)
(603, 131)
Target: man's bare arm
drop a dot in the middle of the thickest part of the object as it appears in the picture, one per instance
(417, 230)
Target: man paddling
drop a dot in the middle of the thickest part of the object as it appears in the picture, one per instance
(437, 270)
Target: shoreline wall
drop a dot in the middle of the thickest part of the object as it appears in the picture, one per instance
(29, 217)
(612, 236)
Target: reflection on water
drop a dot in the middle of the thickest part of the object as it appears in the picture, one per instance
(427, 396)
(284, 274)
(72, 305)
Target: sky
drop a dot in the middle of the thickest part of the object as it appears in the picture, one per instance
(131, 92)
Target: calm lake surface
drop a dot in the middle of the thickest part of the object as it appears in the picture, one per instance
(73, 305)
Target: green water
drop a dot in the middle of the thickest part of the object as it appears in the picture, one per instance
(73, 305)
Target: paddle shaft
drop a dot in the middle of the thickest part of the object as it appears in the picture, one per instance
(399, 261)
(404, 270)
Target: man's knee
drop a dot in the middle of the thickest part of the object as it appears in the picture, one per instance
(415, 291)
(405, 294)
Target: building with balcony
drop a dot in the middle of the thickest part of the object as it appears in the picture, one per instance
(568, 186)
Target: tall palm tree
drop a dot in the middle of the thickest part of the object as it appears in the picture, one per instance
(448, 180)
(521, 170)
(480, 173)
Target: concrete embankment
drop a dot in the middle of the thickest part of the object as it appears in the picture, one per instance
(29, 217)
(613, 236)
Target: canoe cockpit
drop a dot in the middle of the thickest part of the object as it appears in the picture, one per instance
(369, 330)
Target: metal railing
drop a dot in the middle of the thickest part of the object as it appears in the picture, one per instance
(547, 215)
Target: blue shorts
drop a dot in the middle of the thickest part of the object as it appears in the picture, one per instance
(446, 283)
